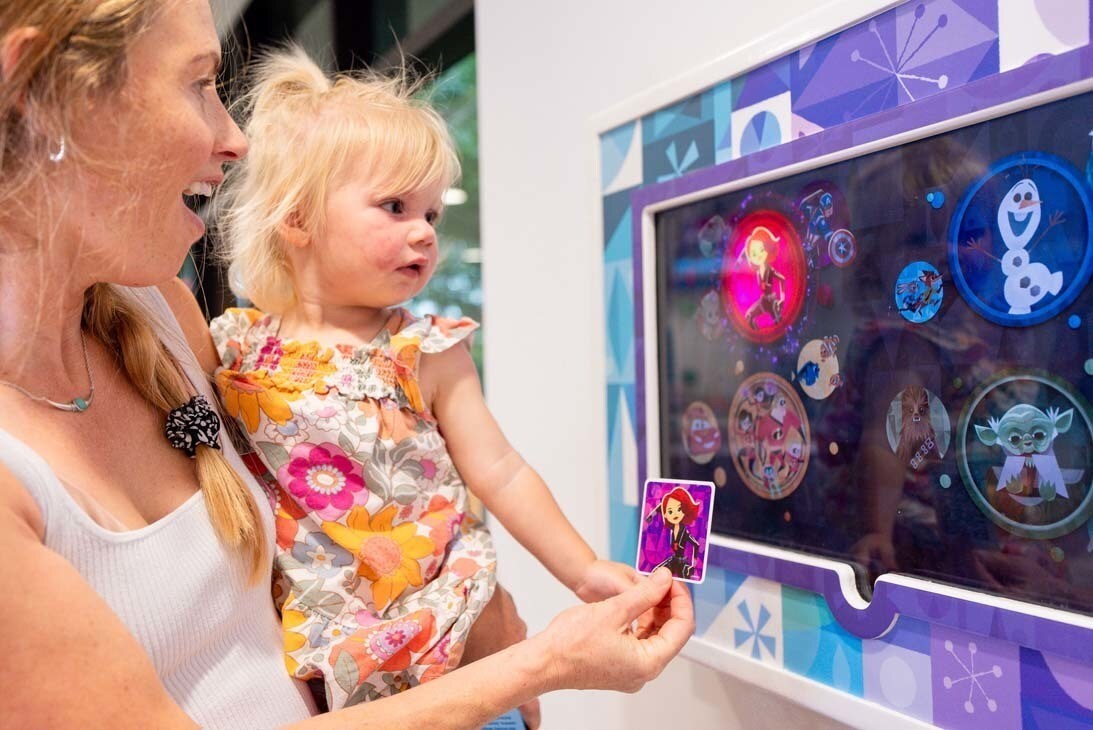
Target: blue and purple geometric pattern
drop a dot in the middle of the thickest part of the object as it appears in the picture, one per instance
(941, 662)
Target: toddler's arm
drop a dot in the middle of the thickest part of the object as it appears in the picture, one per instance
(510, 489)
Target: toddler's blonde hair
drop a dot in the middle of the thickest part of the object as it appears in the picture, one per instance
(306, 131)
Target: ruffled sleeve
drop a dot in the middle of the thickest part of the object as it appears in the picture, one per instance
(229, 332)
(443, 333)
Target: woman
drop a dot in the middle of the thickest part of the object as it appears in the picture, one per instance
(142, 573)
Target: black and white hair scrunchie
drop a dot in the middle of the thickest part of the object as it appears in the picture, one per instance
(193, 423)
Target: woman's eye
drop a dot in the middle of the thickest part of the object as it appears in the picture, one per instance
(395, 207)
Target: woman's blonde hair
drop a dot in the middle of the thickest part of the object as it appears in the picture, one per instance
(306, 130)
(79, 51)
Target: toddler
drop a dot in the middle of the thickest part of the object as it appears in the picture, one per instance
(370, 423)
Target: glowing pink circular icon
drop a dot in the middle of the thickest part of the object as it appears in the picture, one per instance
(763, 276)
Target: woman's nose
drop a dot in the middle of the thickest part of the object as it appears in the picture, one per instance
(232, 143)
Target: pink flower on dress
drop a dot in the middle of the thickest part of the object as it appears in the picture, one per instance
(270, 354)
(324, 479)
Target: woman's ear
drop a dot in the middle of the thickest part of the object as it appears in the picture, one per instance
(293, 231)
(14, 47)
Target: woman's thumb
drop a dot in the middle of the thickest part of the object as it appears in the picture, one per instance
(647, 593)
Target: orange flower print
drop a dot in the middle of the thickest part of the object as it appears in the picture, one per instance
(394, 424)
(388, 555)
(448, 326)
(388, 646)
(407, 353)
(286, 512)
(302, 366)
(247, 396)
(442, 519)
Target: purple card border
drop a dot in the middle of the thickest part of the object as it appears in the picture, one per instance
(707, 548)
(889, 600)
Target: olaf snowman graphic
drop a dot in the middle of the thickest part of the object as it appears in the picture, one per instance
(1019, 217)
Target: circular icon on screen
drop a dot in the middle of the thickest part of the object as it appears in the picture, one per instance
(918, 427)
(768, 436)
(711, 316)
(1025, 451)
(841, 249)
(919, 292)
(701, 435)
(1020, 240)
(763, 276)
(818, 367)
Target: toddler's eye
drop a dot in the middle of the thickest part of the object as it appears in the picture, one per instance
(394, 207)
(431, 217)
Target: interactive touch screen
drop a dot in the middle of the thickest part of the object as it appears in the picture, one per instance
(888, 360)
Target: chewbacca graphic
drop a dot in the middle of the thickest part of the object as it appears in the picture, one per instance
(913, 429)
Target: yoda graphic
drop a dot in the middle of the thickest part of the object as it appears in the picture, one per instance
(1031, 473)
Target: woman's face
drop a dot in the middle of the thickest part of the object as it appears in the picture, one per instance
(673, 512)
(163, 134)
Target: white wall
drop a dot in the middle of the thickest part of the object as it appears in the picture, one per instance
(545, 68)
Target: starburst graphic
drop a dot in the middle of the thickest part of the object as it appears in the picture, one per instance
(895, 65)
(972, 677)
(679, 166)
(753, 634)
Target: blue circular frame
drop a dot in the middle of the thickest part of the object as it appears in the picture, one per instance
(1078, 283)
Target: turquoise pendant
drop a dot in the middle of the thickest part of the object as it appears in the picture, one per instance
(80, 405)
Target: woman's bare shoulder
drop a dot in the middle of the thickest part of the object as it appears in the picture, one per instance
(190, 318)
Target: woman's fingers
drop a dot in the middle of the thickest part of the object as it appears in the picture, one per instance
(672, 633)
(643, 596)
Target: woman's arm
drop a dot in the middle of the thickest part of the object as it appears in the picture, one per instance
(585, 647)
(70, 661)
(75, 664)
(509, 488)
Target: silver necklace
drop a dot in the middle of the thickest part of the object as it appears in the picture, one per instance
(76, 405)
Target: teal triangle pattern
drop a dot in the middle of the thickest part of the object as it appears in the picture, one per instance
(620, 242)
(620, 322)
(613, 148)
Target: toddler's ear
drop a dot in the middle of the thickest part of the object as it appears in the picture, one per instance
(292, 230)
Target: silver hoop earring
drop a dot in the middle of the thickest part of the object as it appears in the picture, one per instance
(59, 154)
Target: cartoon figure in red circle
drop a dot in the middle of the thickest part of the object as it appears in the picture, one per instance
(763, 276)
(761, 248)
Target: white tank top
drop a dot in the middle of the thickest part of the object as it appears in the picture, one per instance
(215, 642)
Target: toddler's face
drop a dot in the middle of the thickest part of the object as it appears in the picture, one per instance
(375, 251)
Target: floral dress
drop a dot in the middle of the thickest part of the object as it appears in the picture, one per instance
(380, 568)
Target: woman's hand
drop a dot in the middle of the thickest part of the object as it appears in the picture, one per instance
(604, 579)
(623, 642)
